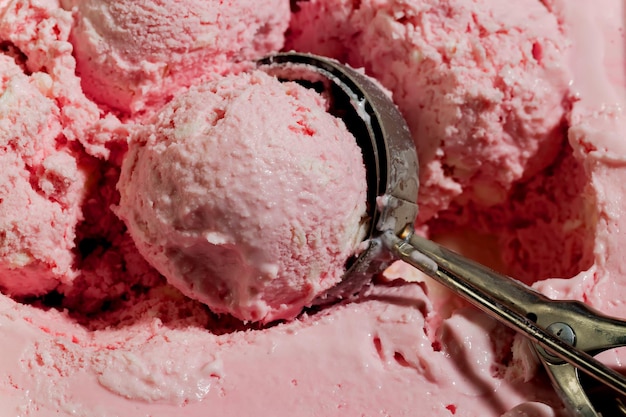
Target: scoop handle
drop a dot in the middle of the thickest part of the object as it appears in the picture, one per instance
(507, 300)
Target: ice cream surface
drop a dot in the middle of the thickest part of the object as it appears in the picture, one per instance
(43, 178)
(133, 55)
(481, 83)
(247, 195)
(91, 329)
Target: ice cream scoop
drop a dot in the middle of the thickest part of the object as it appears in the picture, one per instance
(388, 154)
(566, 333)
(246, 194)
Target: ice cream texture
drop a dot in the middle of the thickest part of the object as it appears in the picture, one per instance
(135, 55)
(247, 195)
(91, 329)
(43, 177)
(481, 83)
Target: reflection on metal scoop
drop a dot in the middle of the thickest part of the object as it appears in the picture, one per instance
(565, 333)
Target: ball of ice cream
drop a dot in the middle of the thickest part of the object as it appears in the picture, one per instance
(247, 195)
(480, 82)
(134, 54)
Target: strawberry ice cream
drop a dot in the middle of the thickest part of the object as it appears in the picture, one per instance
(43, 175)
(247, 195)
(90, 328)
(481, 83)
(132, 55)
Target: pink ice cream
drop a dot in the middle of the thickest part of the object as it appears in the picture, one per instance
(165, 356)
(132, 55)
(43, 174)
(481, 83)
(247, 195)
(91, 329)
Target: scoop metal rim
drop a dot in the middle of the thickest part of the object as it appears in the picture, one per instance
(391, 237)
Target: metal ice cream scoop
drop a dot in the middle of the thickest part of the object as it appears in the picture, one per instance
(566, 334)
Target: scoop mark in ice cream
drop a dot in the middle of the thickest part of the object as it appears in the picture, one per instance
(484, 111)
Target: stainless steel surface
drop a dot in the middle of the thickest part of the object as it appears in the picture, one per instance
(566, 334)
